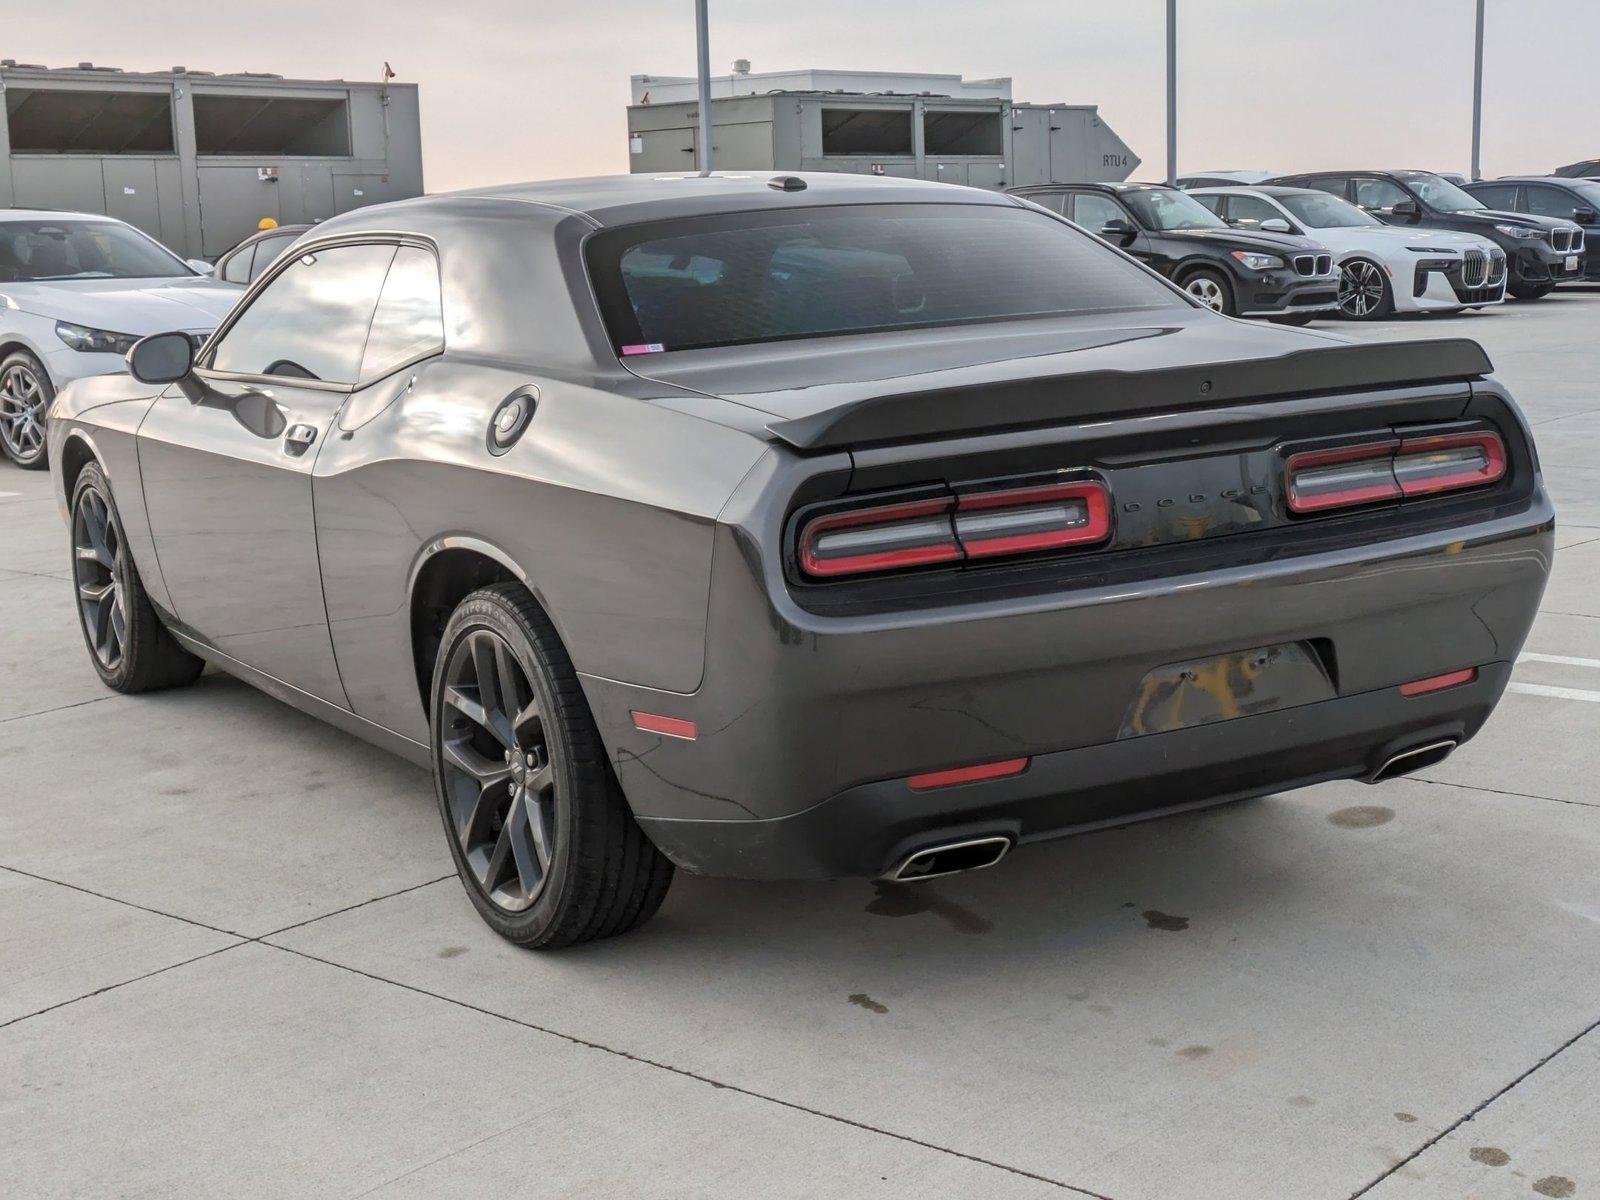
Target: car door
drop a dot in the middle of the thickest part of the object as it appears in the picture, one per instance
(227, 477)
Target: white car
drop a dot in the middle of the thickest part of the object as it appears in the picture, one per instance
(76, 291)
(1383, 269)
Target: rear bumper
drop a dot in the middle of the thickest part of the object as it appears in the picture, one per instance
(867, 830)
(808, 725)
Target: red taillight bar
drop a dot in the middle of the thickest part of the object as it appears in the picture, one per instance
(974, 774)
(1437, 683)
(1034, 518)
(1435, 464)
(951, 528)
(1392, 469)
(673, 727)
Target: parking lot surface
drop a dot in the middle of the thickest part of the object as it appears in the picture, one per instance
(234, 960)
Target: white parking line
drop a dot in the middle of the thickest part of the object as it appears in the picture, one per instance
(1560, 693)
(1565, 660)
(8, 495)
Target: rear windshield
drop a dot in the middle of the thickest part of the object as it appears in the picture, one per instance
(738, 278)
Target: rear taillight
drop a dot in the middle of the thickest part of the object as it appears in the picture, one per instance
(1392, 469)
(977, 524)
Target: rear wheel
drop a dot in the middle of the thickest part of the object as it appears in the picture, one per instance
(25, 396)
(542, 838)
(128, 645)
(1364, 293)
(1211, 289)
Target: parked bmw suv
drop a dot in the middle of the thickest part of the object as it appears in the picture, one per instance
(1551, 196)
(1540, 251)
(1241, 274)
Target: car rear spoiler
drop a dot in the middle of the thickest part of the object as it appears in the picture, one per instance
(1051, 400)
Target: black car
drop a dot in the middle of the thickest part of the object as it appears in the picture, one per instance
(1550, 196)
(1257, 274)
(1589, 168)
(1540, 251)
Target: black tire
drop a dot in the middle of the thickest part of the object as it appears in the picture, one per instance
(1364, 291)
(1296, 319)
(1530, 291)
(1211, 288)
(25, 397)
(129, 646)
(541, 835)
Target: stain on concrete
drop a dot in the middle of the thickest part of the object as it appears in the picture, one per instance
(1194, 1053)
(1405, 1117)
(1555, 1185)
(450, 951)
(862, 1000)
(1159, 1042)
(1489, 1156)
(177, 791)
(1157, 919)
(1361, 816)
(1301, 1101)
(911, 899)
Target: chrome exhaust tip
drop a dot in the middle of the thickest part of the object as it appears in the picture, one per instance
(950, 858)
(1414, 759)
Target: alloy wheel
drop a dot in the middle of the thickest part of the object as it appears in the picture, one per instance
(1208, 291)
(22, 404)
(97, 561)
(498, 777)
(1360, 289)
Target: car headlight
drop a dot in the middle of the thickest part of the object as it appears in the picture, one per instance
(95, 341)
(1520, 231)
(1258, 262)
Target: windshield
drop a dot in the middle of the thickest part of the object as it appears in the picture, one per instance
(743, 277)
(1588, 189)
(1166, 208)
(1438, 192)
(1322, 211)
(35, 251)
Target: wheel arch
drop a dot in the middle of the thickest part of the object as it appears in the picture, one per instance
(77, 452)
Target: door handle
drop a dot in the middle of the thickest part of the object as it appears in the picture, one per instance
(299, 438)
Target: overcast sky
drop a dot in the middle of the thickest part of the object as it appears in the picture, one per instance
(529, 89)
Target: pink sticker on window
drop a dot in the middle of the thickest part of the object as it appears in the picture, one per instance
(644, 348)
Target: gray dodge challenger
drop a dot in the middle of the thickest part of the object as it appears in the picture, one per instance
(802, 527)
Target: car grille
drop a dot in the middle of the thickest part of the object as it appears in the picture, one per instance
(1313, 264)
(1474, 268)
(1497, 267)
(1562, 239)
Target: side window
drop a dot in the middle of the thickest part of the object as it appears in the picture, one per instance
(1247, 212)
(311, 321)
(268, 250)
(1056, 202)
(1334, 185)
(1214, 203)
(409, 322)
(237, 268)
(1549, 202)
(1093, 211)
(1378, 195)
(1500, 195)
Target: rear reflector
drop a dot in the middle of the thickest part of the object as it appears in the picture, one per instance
(1437, 683)
(956, 527)
(1393, 469)
(674, 727)
(993, 770)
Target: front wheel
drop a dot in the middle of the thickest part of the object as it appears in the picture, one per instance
(25, 396)
(1530, 291)
(1211, 289)
(1364, 293)
(542, 838)
(129, 646)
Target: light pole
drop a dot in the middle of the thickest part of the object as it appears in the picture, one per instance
(702, 35)
(1172, 91)
(1477, 97)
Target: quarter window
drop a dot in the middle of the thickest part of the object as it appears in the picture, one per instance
(268, 250)
(237, 268)
(409, 323)
(311, 321)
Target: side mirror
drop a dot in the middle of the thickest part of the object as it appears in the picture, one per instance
(1275, 225)
(1585, 216)
(201, 265)
(1119, 230)
(166, 358)
(1406, 210)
